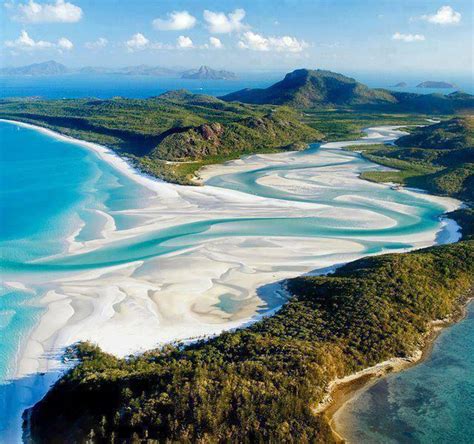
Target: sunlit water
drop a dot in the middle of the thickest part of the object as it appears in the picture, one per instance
(53, 191)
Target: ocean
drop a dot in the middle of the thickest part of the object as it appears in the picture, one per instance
(432, 402)
(111, 85)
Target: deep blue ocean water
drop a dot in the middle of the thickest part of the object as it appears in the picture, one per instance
(111, 85)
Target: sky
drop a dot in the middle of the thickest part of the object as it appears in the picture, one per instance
(405, 36)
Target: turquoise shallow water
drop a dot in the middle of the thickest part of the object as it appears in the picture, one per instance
(47, 187)
(53, 189)
(432, 402)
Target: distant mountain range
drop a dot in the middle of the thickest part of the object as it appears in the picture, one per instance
(205, 72)
(52, 67)
(305, 88)
(37, 69)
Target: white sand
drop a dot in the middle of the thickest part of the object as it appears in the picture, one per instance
(137, 306)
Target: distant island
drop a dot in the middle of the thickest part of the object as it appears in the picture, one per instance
(207, 73)
(48, 68)
(51, 67)
(434, 84)
(400, 85)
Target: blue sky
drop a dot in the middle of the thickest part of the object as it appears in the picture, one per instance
(345, 35)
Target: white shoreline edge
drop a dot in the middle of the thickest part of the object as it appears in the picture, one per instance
(154, 184)
(103, 152)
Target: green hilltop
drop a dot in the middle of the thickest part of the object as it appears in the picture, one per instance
(305, 88)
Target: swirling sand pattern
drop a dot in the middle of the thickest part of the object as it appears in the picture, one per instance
(129, 262)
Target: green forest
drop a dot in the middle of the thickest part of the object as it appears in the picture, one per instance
(438, 158)
(170, 136)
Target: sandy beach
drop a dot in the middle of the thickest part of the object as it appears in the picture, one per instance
(220, 281)
(137, 306)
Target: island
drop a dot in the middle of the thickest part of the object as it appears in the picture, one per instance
(435, 85)
(49, 68)
(207, 73)
(400, 85)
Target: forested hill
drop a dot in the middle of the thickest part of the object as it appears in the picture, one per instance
(305, 88)
(438, 158)
(162, 134)
(457, 133)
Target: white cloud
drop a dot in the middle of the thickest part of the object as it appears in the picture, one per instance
(58, 12)
(137, 42)
(64, 43)
(444, 16)
(184, 42)
(176, 21)
(215, 43)
(408, 38)
(257, 42)
(220, 23)
(100, 43)
(25, 43)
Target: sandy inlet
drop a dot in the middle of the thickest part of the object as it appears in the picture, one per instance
(214, 284)
(218, 280)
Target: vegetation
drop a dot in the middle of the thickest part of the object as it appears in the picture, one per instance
(346, 124)
(259, 384)
(159, 133)
(439, 158)
(457, 133)
(304, 88)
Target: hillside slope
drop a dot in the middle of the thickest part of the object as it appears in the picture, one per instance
(304, 88)
(439, 158)
(456, 133)
(160, 134)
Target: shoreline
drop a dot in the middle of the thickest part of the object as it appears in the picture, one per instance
(342, 390)
(104, 153)
(159, 186)
(241, 276)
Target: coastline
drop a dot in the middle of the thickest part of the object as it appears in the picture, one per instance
(342, 390)
(106, 154)
(241, 275)
(63, 309)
